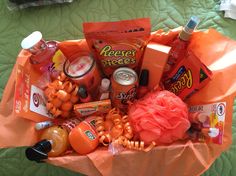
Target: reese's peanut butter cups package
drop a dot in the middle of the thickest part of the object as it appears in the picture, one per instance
(116, 44)
(189, 75)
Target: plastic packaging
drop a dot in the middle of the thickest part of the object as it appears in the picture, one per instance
(116, 44)
(104, 92)
(59, 140)
(92, 108)
(21, 4)
(83, 138)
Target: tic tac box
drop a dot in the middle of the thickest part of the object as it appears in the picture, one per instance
(154, 60)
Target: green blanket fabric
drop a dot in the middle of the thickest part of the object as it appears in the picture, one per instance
(61, 22)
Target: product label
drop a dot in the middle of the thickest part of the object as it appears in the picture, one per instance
(117, 57)
(90, 135)
(22, 90)
(181, 80)
(38, 102)
(214, 123)
(87, 111)
(188, 76)
(124, 97)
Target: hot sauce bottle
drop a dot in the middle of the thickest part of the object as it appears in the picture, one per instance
(180, 44)
(45, 55)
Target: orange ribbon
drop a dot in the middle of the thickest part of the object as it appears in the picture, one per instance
(120, 131)
(61, 95)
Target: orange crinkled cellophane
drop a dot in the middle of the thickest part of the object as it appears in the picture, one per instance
(161, 117)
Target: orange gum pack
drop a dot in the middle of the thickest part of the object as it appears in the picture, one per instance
(116, 44)
(92, 108)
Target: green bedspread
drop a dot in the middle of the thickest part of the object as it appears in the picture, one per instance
(62, 22)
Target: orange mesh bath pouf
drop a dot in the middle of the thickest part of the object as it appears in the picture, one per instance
(160, 116)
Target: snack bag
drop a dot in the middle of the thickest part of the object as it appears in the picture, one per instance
(188, 76)
(116, 44)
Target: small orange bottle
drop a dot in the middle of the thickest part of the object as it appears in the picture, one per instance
(83, 138)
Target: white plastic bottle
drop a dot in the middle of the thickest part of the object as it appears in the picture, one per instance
(104, 89)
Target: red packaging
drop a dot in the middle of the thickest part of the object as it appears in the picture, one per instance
(188, 76)
(116, 44)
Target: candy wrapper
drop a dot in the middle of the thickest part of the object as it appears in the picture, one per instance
(188, 76)
(214, 50)
(116, 44)
(21, 4)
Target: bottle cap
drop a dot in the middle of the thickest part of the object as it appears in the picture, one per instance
(144, 77)
(31, 40)
(105, 84)
(42, 125)
(192, 24)
(82, 92)
(39, 151)
(189, 28)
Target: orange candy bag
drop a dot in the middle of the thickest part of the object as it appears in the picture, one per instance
(116, 44)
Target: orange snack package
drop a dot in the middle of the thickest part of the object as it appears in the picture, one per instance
(29, 99)
(213, 49)
(116, 44)
(188, 76)
(92, 108)
(154, 60)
